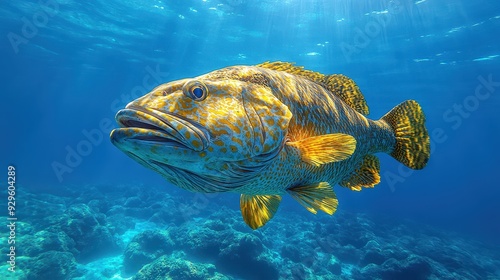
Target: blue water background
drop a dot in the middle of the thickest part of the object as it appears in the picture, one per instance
(88, 59)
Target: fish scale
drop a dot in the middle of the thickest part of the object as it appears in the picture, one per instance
(266, 131)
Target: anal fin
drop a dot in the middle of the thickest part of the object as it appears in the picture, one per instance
(257, 210)
(322, 149)
(316, 197)
(367, 175)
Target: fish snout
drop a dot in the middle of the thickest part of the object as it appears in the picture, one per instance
(156, 127)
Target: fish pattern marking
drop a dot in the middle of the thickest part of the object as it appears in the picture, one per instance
(265, 131)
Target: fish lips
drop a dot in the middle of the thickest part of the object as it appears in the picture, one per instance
(149, 126)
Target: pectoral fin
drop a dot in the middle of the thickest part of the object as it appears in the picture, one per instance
(257, 210)
(367, 175)
(316, 197)
(318, 150)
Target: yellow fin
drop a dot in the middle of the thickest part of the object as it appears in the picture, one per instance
(412, 139)
(342, 86)
(348, 91)
(316, 197)
(318, 150)
(257, 210)
(292, 69)
(367, 175)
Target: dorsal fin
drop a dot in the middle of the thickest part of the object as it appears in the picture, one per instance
(367, 175)
(292, 69)
(340, 85)
(348, 91)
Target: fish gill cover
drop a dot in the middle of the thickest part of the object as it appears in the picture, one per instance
(75, 207)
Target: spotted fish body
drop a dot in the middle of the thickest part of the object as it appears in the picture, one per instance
(265, 131)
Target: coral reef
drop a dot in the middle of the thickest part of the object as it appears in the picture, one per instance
(119, 232)
(146, 247)
(89, 231)
(51, 265)
(175, 266)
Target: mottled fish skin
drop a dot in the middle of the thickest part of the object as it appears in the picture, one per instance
(234, 130)
(232, 147)
(316, 111)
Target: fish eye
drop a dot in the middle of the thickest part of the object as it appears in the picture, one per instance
(195, 90)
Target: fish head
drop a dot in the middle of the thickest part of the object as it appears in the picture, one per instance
(207, 134)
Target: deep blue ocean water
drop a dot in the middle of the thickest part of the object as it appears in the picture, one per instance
(68, 67)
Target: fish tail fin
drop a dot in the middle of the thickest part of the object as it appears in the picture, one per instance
(412, 147)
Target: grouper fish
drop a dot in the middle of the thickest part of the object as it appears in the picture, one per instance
(265, 131)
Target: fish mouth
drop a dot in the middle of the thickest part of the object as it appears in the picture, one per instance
(156, 127)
